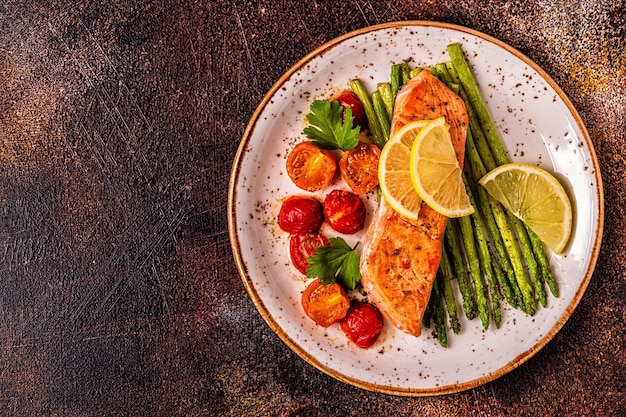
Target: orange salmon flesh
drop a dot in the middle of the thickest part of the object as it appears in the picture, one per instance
(400, 257)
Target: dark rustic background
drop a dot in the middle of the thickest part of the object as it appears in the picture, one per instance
(119, 121)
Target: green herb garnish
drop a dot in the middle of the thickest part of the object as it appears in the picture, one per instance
(328, 129)
(335, 262)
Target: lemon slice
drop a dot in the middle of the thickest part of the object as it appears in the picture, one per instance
(436, 173)
(394, 176)
(536, 197)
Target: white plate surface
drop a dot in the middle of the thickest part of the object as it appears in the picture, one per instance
(538, 125)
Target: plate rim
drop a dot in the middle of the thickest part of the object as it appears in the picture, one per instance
(282, 334)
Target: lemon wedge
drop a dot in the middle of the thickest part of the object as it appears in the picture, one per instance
(394, 175)
(536, 197)
(436, 173)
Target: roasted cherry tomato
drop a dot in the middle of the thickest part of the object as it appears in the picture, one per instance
(362, 324)
(344, 211)
(348, 98)
(303, 245)
(325, 304)
(310, 167)
(359, 167)
(300, 214)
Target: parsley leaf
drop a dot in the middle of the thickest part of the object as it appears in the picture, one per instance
(327, 130)
(335, 262)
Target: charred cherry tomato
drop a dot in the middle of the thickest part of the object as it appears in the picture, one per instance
(359, 167)
(303, 245)
(325, 304)
(362, 324)
(344, 211)
(310, 167)
(348, 98)
(300, 214)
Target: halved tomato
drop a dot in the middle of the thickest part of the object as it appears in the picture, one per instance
(344, 211)
(325, 304)
(359, 167)
(310, 167)
(303, 245)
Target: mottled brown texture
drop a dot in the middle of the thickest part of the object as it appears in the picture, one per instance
(119, 122)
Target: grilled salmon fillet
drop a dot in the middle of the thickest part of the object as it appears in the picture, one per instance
(400, 257)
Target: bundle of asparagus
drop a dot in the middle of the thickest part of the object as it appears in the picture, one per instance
(490, 253)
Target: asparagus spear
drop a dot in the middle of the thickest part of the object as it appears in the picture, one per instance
(396, 80)
(405, 72)
(414, 72)
(475, 273)
(458, 266)
(372, 120)
(529, 257)
(492, 285)
(484, 256)
(471, 88)
(381, 115)
(443, 74)
(544, 263)
(448, 293)
(384, 89)
(439, 315)
(502, 279)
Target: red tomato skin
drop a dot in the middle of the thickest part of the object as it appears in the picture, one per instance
(362, 324)
(344, 211)
(348, 98)
(303, 245)
(300, 214)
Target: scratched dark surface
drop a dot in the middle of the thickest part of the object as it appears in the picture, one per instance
(119, 121)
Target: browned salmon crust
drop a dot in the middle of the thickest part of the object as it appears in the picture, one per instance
(400, 258)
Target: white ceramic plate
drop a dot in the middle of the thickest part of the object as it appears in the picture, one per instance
(538, 125)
